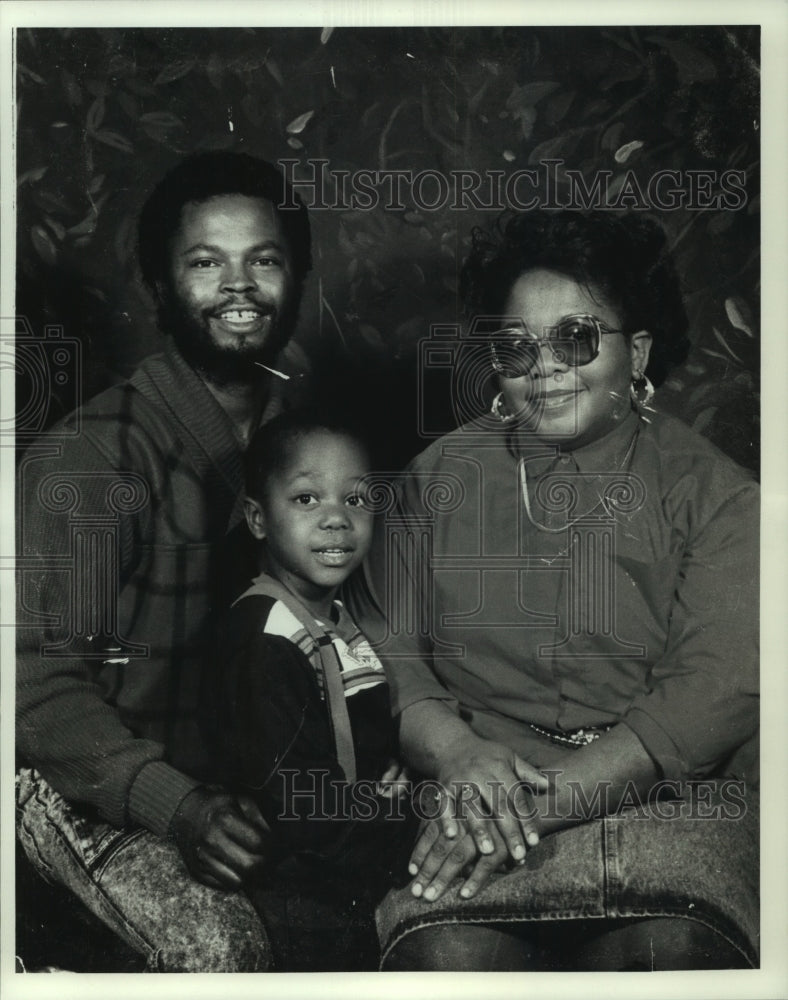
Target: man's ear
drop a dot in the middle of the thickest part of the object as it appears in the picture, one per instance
(255, 518)
(160, 290)
(640, 348)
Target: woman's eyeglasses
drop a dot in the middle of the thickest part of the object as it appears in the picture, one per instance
(515, 351)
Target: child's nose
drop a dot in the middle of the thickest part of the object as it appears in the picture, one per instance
(335, 516)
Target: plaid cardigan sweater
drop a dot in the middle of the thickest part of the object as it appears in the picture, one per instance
(123, 513)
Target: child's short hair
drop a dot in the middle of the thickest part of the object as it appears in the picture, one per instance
(272, 444)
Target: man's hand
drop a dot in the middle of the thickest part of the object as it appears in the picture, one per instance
(222, 838)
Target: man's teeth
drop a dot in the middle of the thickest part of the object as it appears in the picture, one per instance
(240, 315)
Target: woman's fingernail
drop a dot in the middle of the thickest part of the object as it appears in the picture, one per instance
(416, 889)
(431, 893)
(413, 869)
(465, 893)
(487, 846)
(532, 838)
(518, 852)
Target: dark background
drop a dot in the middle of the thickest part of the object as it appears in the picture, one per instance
(104, 112)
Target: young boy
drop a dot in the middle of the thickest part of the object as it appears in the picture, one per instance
(297, 699)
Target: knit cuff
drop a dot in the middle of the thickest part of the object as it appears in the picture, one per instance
(157, 792)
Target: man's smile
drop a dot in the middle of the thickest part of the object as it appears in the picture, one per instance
(242, 319)
(239, 315)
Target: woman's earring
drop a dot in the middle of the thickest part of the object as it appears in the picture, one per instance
(498, 409)
(641, 390)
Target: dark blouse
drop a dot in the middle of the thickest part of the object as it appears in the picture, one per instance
(615, 583)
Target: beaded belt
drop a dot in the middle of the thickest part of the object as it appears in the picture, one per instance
(576, 738)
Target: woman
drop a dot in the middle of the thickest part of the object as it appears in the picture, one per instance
(588, 595)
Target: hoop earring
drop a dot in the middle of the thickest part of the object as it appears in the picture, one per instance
(497, 410)
(641, 390)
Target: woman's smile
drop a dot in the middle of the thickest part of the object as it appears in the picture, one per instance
(554, 399)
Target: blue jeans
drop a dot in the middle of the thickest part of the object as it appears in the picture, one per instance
(137, 884)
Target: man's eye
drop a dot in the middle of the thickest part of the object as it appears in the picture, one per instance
(268, 262)
(203, 262)
(356, 500)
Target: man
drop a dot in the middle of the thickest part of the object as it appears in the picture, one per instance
(129, 519)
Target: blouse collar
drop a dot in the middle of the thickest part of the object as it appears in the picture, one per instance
(606, 453)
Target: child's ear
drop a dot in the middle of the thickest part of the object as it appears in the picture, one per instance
(255, 518)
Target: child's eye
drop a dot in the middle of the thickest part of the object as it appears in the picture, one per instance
(305, 499)
(356, 500)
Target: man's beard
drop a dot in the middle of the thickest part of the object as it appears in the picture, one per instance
(225, 365)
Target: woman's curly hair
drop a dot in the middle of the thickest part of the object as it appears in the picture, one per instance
(623, 258)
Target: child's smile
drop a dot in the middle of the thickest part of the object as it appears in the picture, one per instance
(334, 555)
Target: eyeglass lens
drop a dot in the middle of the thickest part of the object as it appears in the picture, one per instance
(574, 342)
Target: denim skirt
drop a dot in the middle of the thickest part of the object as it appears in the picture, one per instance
(695, 858)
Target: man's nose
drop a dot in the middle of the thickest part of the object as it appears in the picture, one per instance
(238, 277)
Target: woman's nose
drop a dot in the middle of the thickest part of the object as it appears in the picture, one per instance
(553, 357)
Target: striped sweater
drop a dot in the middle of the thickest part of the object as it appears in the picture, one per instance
(124, 512)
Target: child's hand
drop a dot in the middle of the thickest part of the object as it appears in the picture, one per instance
(438, 859)
(395, 780)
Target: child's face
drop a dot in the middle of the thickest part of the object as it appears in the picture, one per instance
(313, 516)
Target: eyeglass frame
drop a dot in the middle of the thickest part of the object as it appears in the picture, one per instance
(599, 326)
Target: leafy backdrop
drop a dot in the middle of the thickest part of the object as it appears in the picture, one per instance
(102, 113)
